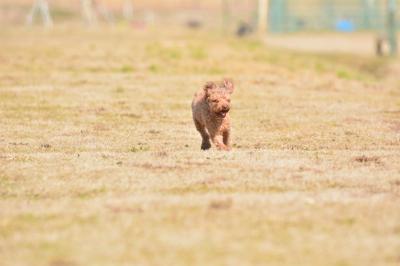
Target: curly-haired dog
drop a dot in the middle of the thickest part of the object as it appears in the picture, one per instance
(210, 109)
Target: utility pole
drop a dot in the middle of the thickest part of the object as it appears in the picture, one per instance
(392, 26)
(262, 16)
(42, 7)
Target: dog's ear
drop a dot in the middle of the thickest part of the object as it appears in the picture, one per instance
(209, 86)
(228, 84)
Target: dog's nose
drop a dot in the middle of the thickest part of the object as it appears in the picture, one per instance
(225, 108)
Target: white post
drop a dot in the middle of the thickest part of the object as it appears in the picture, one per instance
(43, 7)
(262, 16)
(88, 12)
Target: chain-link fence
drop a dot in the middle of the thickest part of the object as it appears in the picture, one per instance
(338, 15)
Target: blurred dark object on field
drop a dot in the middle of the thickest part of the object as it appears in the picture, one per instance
(194, 24)
(244, 29)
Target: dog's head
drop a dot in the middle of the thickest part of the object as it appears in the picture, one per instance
(218, 97)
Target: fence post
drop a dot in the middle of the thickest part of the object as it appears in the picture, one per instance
(392, 26)
(262, 16)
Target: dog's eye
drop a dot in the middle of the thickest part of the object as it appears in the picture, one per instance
(215, 100)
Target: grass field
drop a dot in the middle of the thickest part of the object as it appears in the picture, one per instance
(100, 163)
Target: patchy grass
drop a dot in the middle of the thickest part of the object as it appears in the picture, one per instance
(100, 163)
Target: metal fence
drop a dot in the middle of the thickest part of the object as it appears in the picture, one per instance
(338, 15)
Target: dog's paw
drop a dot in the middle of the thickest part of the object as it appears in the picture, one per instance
(205, 146)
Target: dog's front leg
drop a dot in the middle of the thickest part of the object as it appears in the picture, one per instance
(219, 143)
(227, 139)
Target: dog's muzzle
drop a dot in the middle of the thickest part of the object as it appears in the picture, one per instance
(222, 113)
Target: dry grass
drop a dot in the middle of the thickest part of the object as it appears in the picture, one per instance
(100, 163)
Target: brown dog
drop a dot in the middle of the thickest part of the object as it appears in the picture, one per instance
(210, 109)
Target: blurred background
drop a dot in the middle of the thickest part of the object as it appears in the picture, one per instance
(240, 17)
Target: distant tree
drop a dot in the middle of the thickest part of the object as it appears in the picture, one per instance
(42, 7)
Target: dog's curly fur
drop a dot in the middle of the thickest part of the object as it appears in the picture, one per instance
(210, 108)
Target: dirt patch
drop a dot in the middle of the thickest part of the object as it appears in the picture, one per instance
(368, 159)
(221, 204)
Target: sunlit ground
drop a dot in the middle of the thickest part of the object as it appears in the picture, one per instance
(100, 163)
